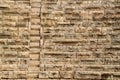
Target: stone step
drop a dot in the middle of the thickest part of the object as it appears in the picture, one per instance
(34, 38)
(34, 32)
(35, 44)
(34, 56)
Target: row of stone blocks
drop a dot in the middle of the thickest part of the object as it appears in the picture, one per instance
(78, 75)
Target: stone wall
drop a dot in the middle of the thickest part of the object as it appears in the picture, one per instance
(59, 40)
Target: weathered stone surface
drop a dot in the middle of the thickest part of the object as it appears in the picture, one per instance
(59, 40)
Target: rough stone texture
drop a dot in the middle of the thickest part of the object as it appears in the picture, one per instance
(59, 40)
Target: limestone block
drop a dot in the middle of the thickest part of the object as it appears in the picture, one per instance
(66, 74)
(87, 75)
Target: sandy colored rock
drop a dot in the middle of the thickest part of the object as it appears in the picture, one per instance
(59, 39)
